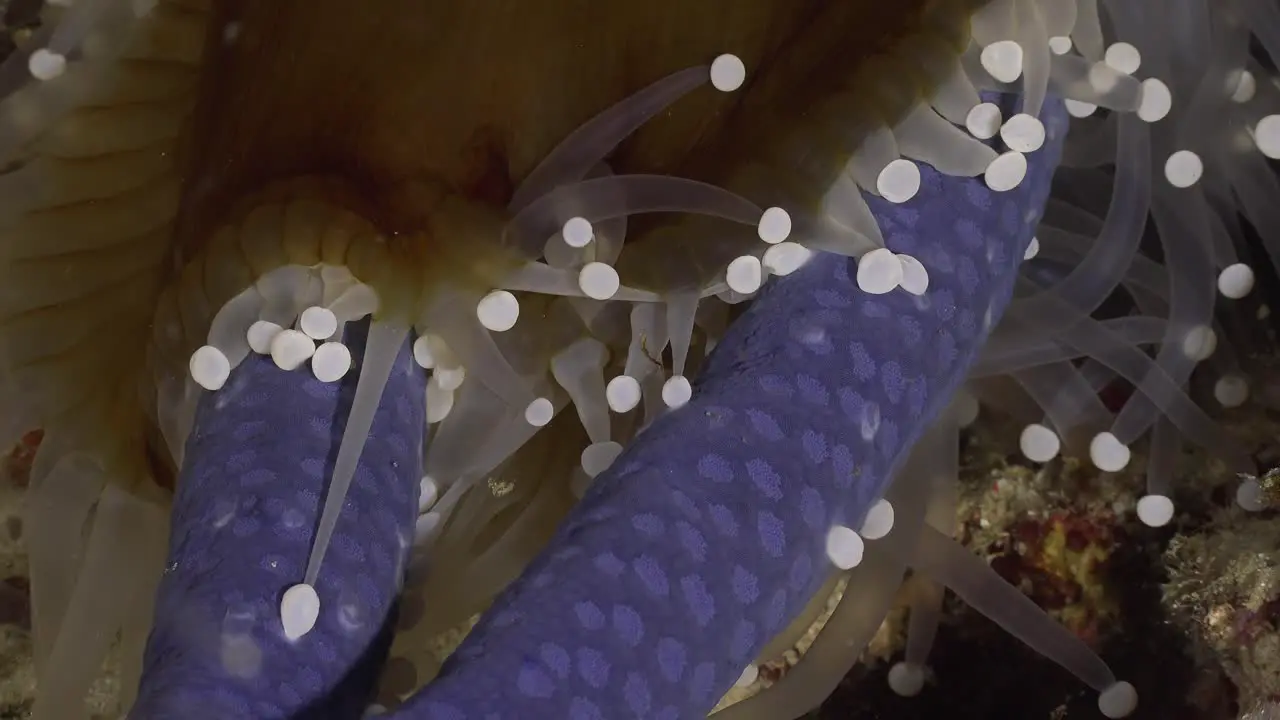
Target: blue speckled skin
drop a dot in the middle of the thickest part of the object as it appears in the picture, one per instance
(248, 500)
(705, 537)
(708, 534)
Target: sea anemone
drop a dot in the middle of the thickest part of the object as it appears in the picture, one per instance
(697, 288)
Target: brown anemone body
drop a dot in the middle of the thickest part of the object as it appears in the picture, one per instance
(232, 137)
(407, 108)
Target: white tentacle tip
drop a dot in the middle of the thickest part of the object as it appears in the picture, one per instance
(879, 521)
(45, 64)
(774, 226)
(899, 181)
(1079, 108)
(1183, 169)
(299, 610)
(879, 272)
(745, 274)
(677, 391)
(1236, 281)
(291, 348)
(983, 120)
(449, 378)
(844, 547)
(318, 323)
(1266, 135)
(498, 311)
(598, 281)
(1199, 343)
(906, 679)
(539, 412)
(1231, 391)
(423, 351)
(1003, 60)
(260, 335)
(1038, 443)
(1118, 701)
(785, 258)
(1023, 133)
(209, 367)
(1155, 510)
(1156, 101)
(1006, 172)
(439, 401)
(1242, 85)
(728, 73)
(331, 362)
(577, 232)
(1249, 495)
(1123, 57)
(1108, 453)
(428, 493)
(623, 393)
(598, 457)
(915, 277)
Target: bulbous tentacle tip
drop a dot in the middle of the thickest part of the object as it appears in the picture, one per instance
(1118, 700)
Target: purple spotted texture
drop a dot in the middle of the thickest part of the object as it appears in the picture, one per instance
(248, 500)
(703, 540)
(707, 536)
